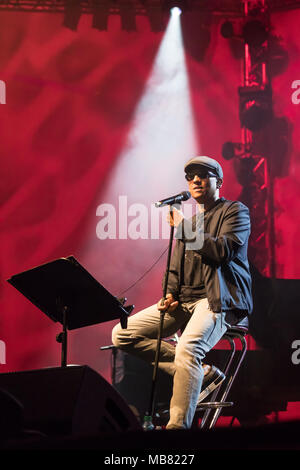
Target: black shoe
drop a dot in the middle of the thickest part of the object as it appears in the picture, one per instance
(161, 416)
(211, 381)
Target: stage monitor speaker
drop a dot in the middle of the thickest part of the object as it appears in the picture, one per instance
(71, 400)
(132, 379)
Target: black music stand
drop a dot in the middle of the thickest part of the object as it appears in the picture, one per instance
(68, 294)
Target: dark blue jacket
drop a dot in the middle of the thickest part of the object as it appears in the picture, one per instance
(225, 267)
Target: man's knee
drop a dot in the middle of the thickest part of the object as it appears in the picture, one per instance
(122, 337)
(115, 336)
(188, 356)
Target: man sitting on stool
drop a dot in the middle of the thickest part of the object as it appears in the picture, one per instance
(209, 290)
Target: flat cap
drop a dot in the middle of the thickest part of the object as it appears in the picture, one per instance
(205, 162)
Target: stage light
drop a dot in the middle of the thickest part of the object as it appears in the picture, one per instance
(228, 150)
(252, 32)
(72, 14)
(175, 11)
(227, 30)
(128, 21)
(165, 105)
(232, 150)
(100, 16)
(255, 107)
(176, 7)
(255, 33)
(155, 15)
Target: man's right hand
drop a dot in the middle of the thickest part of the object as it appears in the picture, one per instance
(175, 217)
(169, 305)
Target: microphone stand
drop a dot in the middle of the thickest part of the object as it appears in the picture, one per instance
(150, 412)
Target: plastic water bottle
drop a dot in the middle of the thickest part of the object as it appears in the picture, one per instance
(147, 424)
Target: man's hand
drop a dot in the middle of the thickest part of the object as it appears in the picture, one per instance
(169, 305)
(175, 217)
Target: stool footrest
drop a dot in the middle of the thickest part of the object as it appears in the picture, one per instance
(214, 405)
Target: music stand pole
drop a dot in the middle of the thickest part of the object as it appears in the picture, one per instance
(65, 339)
(162, 316)
(62, 338)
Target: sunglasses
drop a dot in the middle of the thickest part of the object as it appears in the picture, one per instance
(200, 174)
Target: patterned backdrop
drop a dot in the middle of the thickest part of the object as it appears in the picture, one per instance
(92, 115)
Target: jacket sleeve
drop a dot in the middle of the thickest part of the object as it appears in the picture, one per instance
(233, 235)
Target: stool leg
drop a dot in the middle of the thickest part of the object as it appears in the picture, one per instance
(230, 380)
(205, 423)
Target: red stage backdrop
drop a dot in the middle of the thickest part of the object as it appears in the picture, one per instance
(91, 116)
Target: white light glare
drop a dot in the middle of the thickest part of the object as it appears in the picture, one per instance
(175, 11)
(162, 128)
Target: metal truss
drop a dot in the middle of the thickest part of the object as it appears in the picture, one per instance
(258, 188)
(218, 7)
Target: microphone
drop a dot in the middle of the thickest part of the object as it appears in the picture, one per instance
(184, 196)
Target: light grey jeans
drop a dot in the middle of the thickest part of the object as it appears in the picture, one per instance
(203, 330)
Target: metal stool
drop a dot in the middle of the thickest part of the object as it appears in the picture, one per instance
(213, 409)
